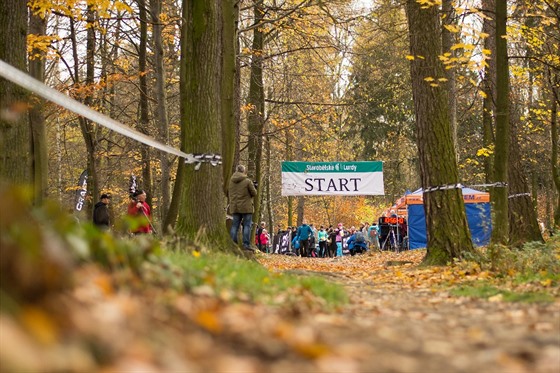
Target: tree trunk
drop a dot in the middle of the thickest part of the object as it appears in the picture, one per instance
(86, 96)
(448, 39)
(499, 195)
(489, 89)
(255, 116)
(38, 26)
(201, 215)
(230, 89)
(15, 132)
(554, 155)
(144, 119)
(447, 230)
(161, 107)
(523, 224)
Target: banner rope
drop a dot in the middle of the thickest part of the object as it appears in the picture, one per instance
(499, 184)
(24, 80)
(520, 195)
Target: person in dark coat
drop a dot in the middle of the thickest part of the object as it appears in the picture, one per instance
(101, 213)
(241, 191)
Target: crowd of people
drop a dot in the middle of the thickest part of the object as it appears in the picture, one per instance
(322, 242)
(305, 240)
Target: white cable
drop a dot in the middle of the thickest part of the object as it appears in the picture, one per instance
(24, 80)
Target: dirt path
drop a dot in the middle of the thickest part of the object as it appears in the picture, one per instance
(398, 320)
(393, 328)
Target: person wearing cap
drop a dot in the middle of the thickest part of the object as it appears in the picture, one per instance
(101, 213)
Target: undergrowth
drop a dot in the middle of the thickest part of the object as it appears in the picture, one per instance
(528, 274)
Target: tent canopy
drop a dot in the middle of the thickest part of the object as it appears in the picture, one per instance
(477, 209)
(417, 197)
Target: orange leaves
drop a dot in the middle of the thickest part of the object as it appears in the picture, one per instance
(39, 324)
(209, 321)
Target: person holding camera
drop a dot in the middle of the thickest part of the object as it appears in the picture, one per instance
(139, 209)
(241, 191)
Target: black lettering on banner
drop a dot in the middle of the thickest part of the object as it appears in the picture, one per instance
(308, 182)
(343, 184)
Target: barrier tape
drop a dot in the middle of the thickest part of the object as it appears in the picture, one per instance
(22, 79)
(520, 195)
(443, 187)
(498, 184)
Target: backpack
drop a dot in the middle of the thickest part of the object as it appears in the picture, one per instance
(360, 237)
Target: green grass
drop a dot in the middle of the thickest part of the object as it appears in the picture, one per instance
(249, 281)
(487, 291)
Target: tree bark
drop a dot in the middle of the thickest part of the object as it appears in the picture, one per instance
(489, 88)
(201, 215)
(554, 154)
(499, 195)
(15, 132)
(144, 116)
(230, 89)
(161, 106)
(447, 230)
(38, 26)
(255, 116)
(523, 224)
(448, 39)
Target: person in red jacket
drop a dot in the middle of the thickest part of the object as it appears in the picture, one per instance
(139, 209)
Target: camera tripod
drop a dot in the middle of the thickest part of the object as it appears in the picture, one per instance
(392, 237)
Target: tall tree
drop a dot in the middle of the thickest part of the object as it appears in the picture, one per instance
(447, 230)
(144, 116)
(15, 132)
(38, 26)
(255, 101)
(162, 122)
(448, 39)
(230, 88)
(201, 215)
(499, 195)
(489, 88)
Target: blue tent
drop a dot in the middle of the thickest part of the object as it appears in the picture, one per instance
(477, 208)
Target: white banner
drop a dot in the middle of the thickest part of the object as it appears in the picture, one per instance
(332, 178)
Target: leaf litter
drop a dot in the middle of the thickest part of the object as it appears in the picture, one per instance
(400, 318)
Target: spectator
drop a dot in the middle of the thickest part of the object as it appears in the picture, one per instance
(139, 209)
(101, 213)
(241, 191)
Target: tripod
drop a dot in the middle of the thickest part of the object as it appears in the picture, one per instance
(393, 240)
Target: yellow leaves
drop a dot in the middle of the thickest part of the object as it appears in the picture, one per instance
(412, 58)
(457, 46)
(312, 350)
(40, 45)
(452, 28)
(209, 321)
(196, 253)
(485, 152)
(425, 4)
(104, 283)
(482, 94)
(546, 283)
(39, 324)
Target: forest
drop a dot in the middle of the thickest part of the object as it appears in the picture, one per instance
(444, 93)
(302, 80)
